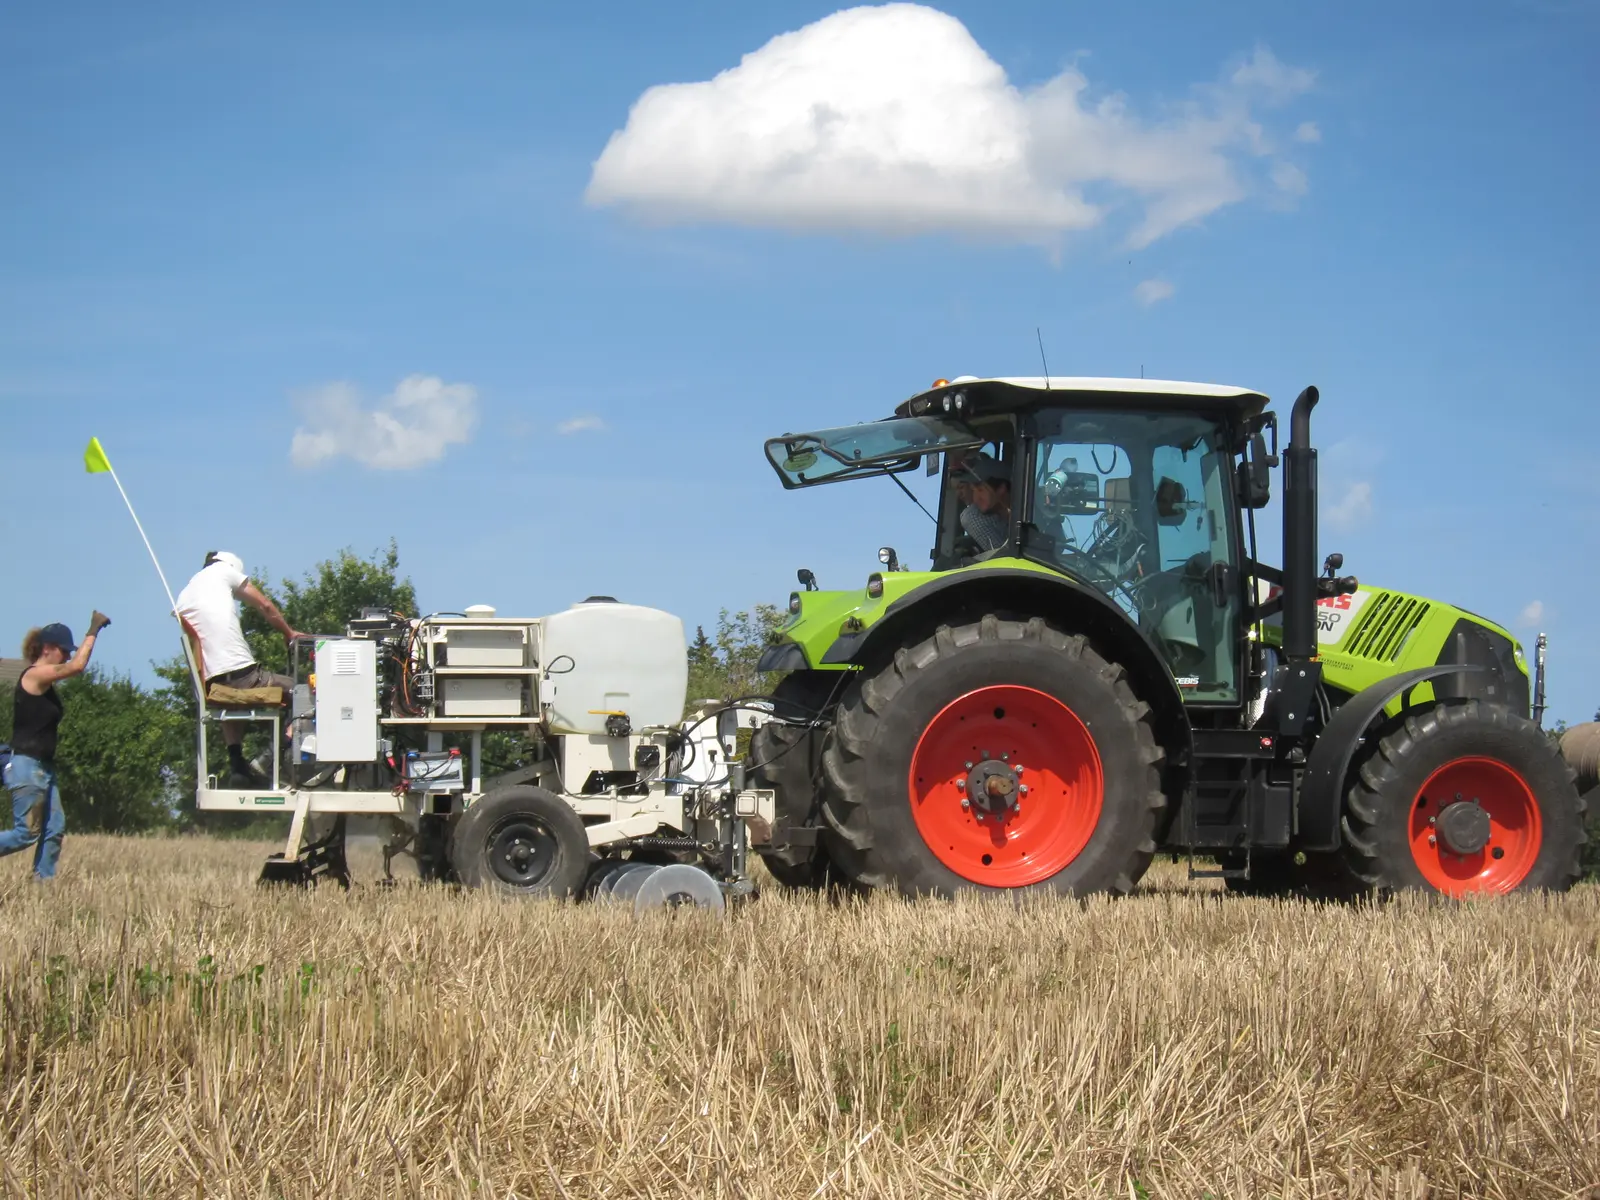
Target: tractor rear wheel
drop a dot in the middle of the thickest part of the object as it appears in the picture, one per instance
(998, 755)
(523, 841)
(787, 758)
(1461, 798)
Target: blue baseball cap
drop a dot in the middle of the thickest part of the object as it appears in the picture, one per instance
(58, 635)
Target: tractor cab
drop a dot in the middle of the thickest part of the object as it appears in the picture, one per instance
(1123, 486)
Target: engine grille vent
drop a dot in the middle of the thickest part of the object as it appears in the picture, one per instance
(1385, 625)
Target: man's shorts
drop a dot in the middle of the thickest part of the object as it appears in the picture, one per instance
(254, 676)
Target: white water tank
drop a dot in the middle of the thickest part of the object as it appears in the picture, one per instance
(602, 657)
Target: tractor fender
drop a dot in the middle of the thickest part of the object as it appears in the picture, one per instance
(1072, 606)
(1321, 801)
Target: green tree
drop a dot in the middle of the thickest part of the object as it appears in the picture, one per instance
(724, 667)
(705, 675)
(114, 761)
(328, 596)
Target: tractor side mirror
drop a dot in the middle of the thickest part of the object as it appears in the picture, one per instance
(1172, 502)
(1255, 475)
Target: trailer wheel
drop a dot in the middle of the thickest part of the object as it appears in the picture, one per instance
(999, 755)
(1462, 798)
(523, 841)
(788, 759)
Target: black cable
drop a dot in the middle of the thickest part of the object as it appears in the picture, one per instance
(745, 703)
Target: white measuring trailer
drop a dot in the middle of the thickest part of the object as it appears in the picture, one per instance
(617, 794)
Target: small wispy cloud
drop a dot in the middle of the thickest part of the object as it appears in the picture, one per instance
(1277, 79)
(1153, 291)
(1308, 132)
(583, 424)
(1351, 509)
(1532, 613)
(1289, 179)
(411, 426)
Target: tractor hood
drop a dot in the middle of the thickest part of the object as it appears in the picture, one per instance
(1373, 634)
(818, 620)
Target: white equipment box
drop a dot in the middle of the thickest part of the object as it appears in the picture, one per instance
(483, 696)
(347, 700)
(494, 646)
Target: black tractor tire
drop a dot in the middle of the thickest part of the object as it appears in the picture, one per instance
(522, 841)
(889, 714)
(788, 759)
(1466, 760)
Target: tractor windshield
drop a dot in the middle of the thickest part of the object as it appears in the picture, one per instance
(1137, 504)
(873, 448)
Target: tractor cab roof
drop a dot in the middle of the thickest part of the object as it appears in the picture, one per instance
(969, 396)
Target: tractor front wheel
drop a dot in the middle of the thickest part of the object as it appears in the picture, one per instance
(1462, 798)
(998, 755)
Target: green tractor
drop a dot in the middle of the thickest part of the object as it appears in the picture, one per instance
(1098, 667)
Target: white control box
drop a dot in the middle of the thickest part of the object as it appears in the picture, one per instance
(483, 696)
(347, 700)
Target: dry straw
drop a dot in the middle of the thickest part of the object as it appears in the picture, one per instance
(172, 1031)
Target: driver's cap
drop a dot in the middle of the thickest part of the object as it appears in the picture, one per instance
(228, 557)
(982, 468)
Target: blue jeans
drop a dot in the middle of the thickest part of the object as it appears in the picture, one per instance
(36, 812)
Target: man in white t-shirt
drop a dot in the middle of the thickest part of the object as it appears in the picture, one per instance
(209, 606)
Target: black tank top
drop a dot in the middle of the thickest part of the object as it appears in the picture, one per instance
(33, 723)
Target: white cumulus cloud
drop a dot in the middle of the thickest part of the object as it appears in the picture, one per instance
(893, 119)
(1353, 508)
(1308, 132)
(413, 425)
(583, 424)
(1532, 613)
(1153, 291)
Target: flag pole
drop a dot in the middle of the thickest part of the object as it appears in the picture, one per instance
(95, 458)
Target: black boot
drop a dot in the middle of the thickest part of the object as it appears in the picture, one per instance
(241, 774)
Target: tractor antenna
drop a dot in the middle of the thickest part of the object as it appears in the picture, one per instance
(1042, 359)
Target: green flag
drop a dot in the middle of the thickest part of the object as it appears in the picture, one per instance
(94, 458)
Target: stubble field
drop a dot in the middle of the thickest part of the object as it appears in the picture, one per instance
(169, 1030)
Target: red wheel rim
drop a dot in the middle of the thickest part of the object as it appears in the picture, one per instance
(1515, 831)
(996, 730)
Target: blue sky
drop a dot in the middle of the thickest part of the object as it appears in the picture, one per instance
(220, 228)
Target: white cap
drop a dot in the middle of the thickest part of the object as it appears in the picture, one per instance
(229, 557)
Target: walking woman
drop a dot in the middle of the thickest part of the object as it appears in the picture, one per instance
(36, 714)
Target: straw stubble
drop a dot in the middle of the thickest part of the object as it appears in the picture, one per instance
(172, 1030)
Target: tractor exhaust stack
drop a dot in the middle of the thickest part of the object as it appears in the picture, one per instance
(1300, 534)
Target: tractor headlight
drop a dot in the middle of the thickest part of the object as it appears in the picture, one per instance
(794, 603)
(947, 403)
(875, 586)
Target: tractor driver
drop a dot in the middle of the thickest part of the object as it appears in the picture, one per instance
(987, 518)
(209, 607)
